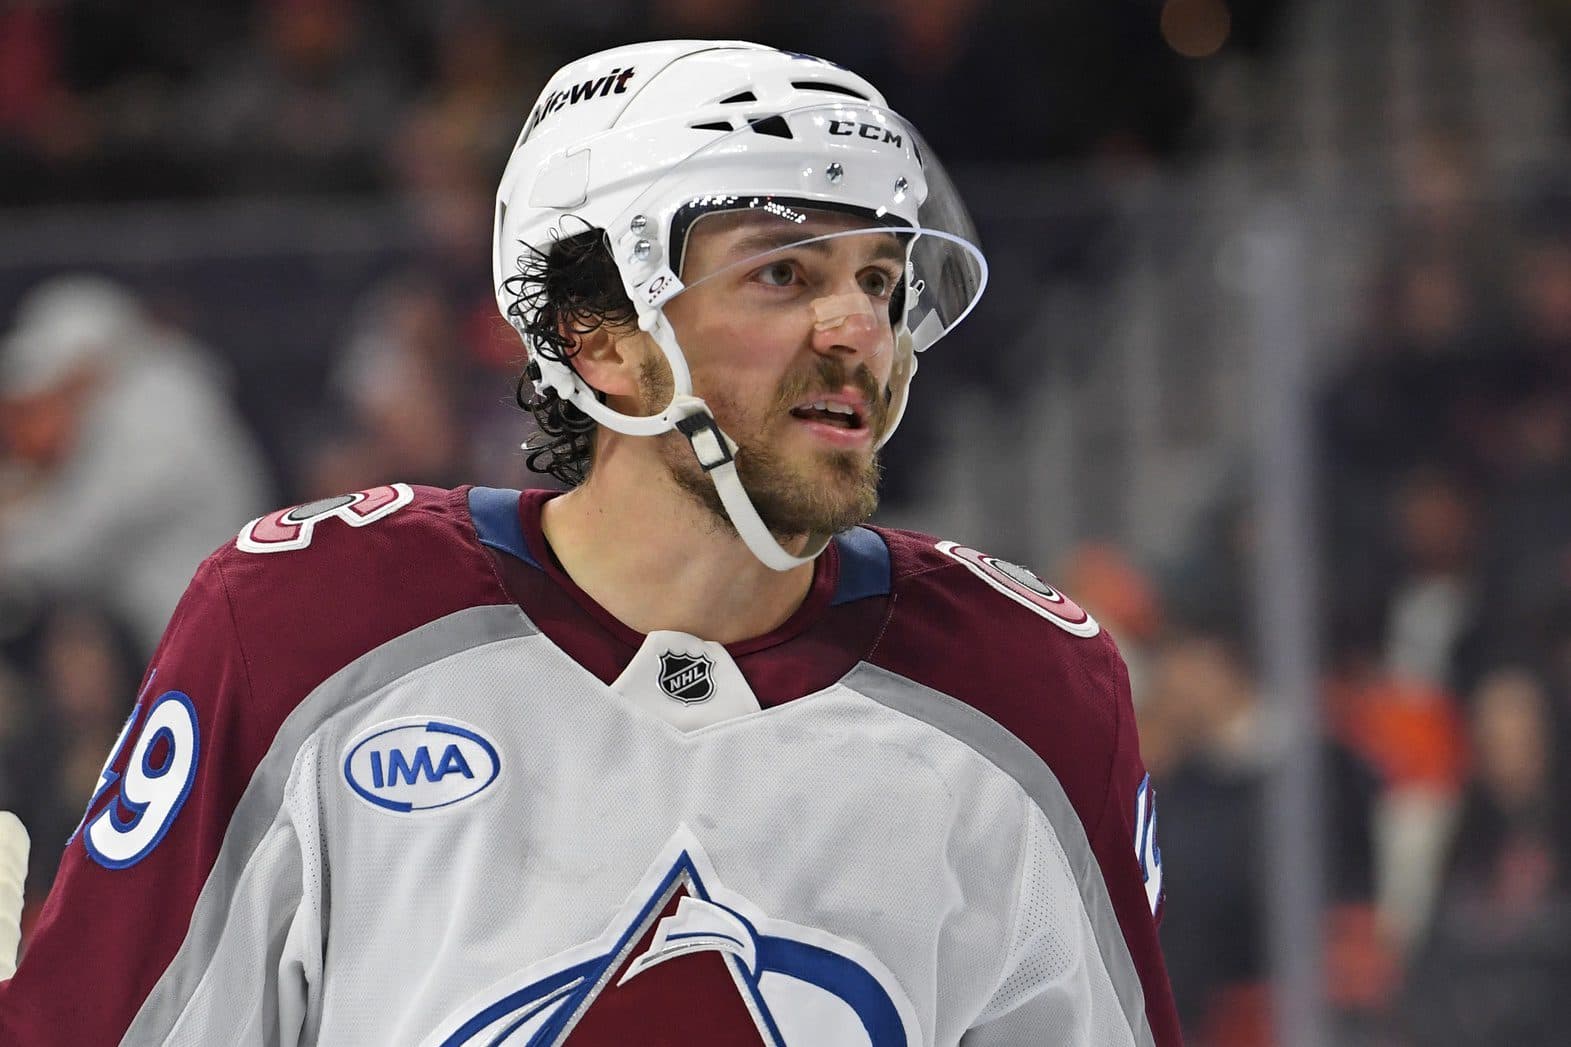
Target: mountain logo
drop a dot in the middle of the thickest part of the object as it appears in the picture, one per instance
(688, 961)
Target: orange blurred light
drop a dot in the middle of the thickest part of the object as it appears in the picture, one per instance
(1196, 28)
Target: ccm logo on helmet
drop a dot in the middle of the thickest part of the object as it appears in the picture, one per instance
(612, 83)
(418, 764)
(1025, 589)
(872, 132)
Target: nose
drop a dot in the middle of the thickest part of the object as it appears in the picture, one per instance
(848, 325)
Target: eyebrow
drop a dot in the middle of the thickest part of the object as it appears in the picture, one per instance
(889, 246)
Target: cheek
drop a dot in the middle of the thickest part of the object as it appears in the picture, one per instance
(742, 355)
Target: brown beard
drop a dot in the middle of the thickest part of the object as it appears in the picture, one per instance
(791, 501)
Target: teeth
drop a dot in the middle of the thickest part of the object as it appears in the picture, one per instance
(828, 408)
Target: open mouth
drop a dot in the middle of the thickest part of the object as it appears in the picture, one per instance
(835, 413)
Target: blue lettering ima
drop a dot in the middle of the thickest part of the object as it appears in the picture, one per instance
(399, 766)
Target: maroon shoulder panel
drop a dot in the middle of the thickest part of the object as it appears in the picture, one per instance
(997, 638)
(253, 635)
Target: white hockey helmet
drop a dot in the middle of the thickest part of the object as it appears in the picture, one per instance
(642, 141)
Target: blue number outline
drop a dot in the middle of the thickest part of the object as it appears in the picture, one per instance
(120, 801)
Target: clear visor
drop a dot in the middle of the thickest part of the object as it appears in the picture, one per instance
(838, 211)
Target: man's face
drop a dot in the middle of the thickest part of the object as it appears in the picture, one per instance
(771, 326)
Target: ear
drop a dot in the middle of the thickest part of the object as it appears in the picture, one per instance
(608, 358)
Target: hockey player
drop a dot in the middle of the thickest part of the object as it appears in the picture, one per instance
(685, 755)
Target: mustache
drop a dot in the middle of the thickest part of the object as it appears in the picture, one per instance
(830, 375)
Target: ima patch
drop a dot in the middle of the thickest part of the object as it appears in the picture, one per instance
(689, 679)
(417, 764)
(1024, 588)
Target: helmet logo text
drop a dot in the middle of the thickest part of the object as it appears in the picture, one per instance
(612, 83)
(872, 132)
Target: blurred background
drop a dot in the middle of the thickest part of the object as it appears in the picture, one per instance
(1274, 376)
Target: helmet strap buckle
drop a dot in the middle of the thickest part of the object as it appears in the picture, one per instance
(709, 444)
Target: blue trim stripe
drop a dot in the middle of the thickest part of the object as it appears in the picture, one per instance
(864, 565)
(864, 557)
(495, 513)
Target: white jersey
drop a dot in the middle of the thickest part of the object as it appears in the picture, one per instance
(394, 779)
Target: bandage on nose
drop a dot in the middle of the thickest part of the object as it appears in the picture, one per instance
(833, 311)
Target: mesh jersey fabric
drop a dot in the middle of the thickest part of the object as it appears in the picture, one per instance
(842, 866)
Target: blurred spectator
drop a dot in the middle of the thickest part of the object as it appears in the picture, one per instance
(1200, 736)
(1206, 740)
(1497, 958)
(128, 464)
(42, 126)
(396, 393)
(1209, 585)
(1543, 287)
(444, 156)
(1410, 396)
(993, 81)
(78, 687)
(304, 104)
(1553, 648)
(1431, 601)
(1411, 734)
(1419, 391)
(1440, 211)
(445, 149)
(1527, 572)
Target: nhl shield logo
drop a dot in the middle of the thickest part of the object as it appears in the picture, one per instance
(687, 678)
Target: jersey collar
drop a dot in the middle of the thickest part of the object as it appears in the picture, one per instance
(854, 566)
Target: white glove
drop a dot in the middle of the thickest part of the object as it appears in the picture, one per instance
(13, 871)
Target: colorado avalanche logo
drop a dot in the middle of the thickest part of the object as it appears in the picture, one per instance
(1025, 588)
(687, 961)
(687, 678)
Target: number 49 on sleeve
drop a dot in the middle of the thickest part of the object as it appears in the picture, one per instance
(154, 786)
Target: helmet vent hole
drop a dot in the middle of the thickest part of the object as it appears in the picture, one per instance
(775, 126)
(838, 89)
(718, 125)
(745, 96)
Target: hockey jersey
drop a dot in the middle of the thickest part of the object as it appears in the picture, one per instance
(393, 778)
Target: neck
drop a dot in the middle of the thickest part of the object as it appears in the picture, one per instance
(647, 552)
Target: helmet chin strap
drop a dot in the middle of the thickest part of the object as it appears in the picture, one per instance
(715, 451)
(716, 454)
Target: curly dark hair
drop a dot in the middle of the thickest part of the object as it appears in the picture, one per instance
(560, 295)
